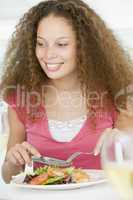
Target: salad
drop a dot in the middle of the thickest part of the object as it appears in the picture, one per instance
(54, 175)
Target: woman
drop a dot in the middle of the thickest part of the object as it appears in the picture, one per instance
(64, 73)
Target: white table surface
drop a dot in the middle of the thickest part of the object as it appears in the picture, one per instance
(96, 192)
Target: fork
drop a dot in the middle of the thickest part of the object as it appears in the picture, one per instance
(59, 162)
(76, 154)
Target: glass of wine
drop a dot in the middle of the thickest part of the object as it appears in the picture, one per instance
(117, 161)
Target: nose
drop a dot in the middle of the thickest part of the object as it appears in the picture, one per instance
(50, 53)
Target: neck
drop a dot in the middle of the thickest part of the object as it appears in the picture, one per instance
(69, 83)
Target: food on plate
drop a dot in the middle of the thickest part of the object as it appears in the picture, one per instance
(54, 175)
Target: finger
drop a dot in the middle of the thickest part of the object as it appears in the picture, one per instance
(118, 133)
(24, 154)
(31, 149)
(14, 158)
(10, 157)
(19, 159)
(101, 140)
(103, 137)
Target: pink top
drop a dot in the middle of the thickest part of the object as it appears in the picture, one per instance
(39, 136)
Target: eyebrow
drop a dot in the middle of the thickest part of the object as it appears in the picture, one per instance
(62, 37)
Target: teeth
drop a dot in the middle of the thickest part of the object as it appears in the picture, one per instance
(54, 65)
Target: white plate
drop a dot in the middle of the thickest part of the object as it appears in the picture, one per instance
(96, 177)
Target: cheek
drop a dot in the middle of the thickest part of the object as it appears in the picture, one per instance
(72, 56)
(72, 52)
(39, 53)
(69, 54)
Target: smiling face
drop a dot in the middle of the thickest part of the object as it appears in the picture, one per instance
(56, 47)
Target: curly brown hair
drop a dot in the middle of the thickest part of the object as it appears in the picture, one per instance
(101, 62)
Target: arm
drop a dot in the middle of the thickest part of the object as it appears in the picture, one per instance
(124, 123)
(16, 136)
(19, 152)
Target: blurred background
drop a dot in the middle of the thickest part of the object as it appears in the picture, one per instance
(118, 15)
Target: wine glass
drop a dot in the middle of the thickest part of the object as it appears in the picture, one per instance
(117, 161)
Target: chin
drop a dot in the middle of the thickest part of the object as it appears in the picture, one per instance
(56, 76)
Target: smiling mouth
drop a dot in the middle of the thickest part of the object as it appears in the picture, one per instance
(52, 67)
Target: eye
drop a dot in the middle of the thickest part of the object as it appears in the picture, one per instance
(39, 44)
(62, 44)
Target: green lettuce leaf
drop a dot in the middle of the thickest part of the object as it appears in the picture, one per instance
(54, 180)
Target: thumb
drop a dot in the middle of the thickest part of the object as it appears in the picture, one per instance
(31, 149)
